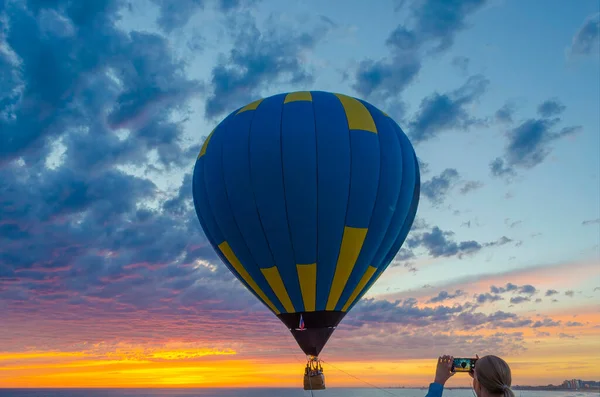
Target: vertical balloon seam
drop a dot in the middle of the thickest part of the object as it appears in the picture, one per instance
(287, 216)
(262, 227)
(317, 196)
(219, 253)
(243, 241)
(410, 214)
(378, 265)
(347, 202)
(203, 223)
(342, 304)
(276, 275)
(350, 303)
(271, 274)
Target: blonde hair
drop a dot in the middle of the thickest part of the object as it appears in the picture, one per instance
(493, 374)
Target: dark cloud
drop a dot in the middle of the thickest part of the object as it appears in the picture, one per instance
(505, 113)
(499, 319)
(551, 292)
(547, 322)
(512, 224)
(587, 40)
(405, 254)
(433, 28)
(443, 112)
(550, 108)
(574, 324)
(526, 289)
(439, 186)
(591, 222)
(500, 290)
(423, 166)
(439, 244)
(501, 241)
(487, 297)
(470, 186)
(83, 79)
(529, 143)
(258, 60)
(515, 300)
(404, 312)
(173, 15)
(570, 293)
(566, 336)
(445, 295)
(90, 231)
(462, 63)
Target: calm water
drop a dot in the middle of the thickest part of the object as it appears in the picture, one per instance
(333, 392)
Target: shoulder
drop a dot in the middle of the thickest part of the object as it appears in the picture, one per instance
(435, 390)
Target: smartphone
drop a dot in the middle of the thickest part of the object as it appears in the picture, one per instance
(463, 364)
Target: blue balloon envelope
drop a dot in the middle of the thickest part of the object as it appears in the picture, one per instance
(307, 197)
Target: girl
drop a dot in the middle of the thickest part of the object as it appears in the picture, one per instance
(491, 377)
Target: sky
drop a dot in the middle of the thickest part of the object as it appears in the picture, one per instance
(106, 278)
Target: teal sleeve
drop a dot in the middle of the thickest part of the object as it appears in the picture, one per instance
(435, 390)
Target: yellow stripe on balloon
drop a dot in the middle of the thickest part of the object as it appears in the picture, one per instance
(237, 265)
(358, 116)
(276, 283)
(352, 243)
(307, 275)
(363, 281)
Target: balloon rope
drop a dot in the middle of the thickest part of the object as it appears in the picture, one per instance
(364, 381)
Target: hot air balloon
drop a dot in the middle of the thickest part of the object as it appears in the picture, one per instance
(307, 197)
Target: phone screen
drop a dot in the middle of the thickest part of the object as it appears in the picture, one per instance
(463, 364)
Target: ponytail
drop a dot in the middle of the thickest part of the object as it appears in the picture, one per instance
(507, 391)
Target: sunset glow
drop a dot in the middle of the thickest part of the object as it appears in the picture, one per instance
(111, 250)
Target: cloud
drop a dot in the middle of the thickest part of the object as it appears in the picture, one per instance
(529, 143)
(515, 300)
(63, 92)
(566, 336)
(172, 17)
(574, 324)
(443, 112)
(85, 234)
(258, 60)
(423, 166)
(550, 108)
(501, 241)
(551, 292)
(487, 297)
(526, 289)
(462, 63)
(547, 322)
(512, 224)
(506, 113)
(587, 39)
(570, 293)
(432, 29)
(439, 244)
(445, 295)
(439, 186)
(591, 222)
(470, 186)
(404, 312)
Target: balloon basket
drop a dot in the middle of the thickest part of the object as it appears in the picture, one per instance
(314, 379)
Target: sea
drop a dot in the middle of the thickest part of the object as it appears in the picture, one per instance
(270, 392)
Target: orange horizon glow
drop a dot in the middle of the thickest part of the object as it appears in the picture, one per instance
(551, 362)
(552, 353)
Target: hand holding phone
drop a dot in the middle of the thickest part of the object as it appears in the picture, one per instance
(463, 364)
